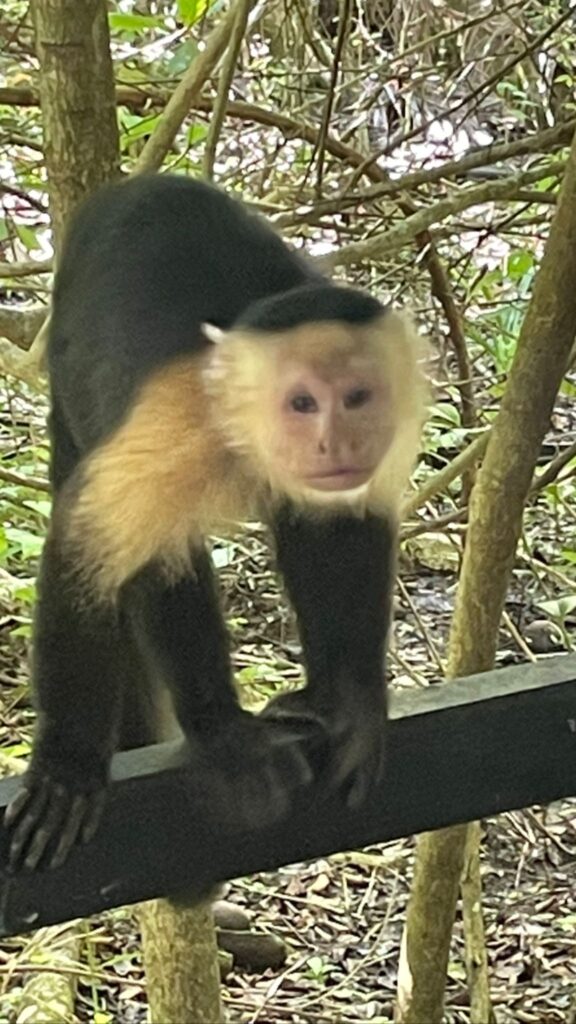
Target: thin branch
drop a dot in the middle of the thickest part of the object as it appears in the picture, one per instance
(442, 480)
(343, 27)
(544, 142)
(476, 94)
(25, 269)
(35, 483)
(463, 26)
(20, 326)
(489, 192)
(242, 12)
(138, 99)
(553, 469)
(185, 95)
(20, 193)
(442, 291)
(473, 453)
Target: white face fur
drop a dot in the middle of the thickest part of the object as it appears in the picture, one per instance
(330, 413)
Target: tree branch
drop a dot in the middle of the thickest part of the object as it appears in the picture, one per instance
(186, 95)
(489, 192)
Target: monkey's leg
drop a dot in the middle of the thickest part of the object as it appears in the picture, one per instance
(339, 576)
(78, 661)
(180, 630)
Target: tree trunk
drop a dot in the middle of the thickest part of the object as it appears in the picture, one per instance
(181, 962)
(496, 509)
(78, 101)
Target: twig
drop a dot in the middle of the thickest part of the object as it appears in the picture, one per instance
(242, 11)
(489, 192)
(25, 269)
(437, 525)
(343, 27)
(137, 99)
(442, 480)
(479, 92)
(553, 469)
(35, 483)
(185, 95)
(423, 628)
(442, 291)
(517, 637)
(20, 193)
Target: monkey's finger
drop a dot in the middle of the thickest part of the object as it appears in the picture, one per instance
(35, 807)
(70, 831)
(267, 795)
(358, 789)
(93, 816)
(17, 805)
(357, 780)
(292, 723)
(51, 824)
(298, 766)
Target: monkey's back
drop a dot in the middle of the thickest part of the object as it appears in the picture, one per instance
(144, 264)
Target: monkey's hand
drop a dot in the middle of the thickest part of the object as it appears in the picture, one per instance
(256, 764)
(353, 719)
(56, 807)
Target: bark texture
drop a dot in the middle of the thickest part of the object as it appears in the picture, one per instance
(78, 101)
(181, 961)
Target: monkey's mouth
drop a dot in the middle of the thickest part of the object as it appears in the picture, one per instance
(346, 478)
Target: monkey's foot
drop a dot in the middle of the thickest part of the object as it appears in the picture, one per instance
(352, 759)
(257, 764)
(49, 816)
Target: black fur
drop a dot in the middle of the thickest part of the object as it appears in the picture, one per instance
(145, 263)
(311, 303)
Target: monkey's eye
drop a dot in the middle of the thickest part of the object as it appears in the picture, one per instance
(303, 403)
(356, 398)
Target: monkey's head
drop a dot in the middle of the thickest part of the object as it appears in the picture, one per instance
(317, 387)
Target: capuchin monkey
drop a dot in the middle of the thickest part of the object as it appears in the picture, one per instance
(203, 374)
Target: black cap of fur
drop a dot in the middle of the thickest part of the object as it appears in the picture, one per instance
(310, 304)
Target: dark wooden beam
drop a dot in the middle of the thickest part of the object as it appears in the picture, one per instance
(457, 752)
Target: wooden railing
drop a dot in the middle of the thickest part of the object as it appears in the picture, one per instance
(457, 752)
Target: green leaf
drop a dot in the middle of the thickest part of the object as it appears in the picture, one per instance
(133, 23)
(29, 545)
(182, 57)
(24, 630)
(519, 263)
(190, 11)
(197, 133)
(27, 236)
(43, 508)
(101, 1017)
(446, 413)
(141, 127)
(560, 608)
(26, 593)
(17, 750)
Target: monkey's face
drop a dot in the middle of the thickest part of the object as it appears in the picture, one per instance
(329, 429)
(322, 409)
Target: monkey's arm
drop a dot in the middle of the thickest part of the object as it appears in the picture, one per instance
(77, 683)
(180, 633)
(339, 575)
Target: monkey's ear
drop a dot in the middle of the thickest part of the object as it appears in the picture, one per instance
(214, 334)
